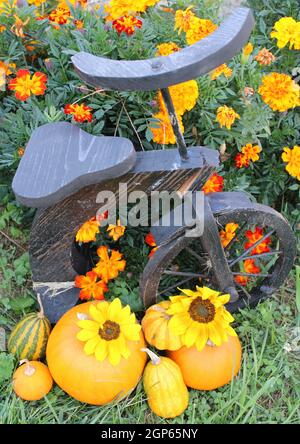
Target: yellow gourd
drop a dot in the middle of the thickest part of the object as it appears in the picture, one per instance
(167, 394)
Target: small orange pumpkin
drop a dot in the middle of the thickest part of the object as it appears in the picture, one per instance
(82, 376)
(211, 368)
(155, 327)
(32, 380)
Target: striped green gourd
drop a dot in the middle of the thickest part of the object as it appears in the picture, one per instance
(28, 339)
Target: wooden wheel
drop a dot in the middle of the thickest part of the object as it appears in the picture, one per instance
(185, 263)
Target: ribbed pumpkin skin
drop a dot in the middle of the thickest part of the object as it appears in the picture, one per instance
(83, 377)
(34, 387)
(167, 394)
(28, 340)
(155, 328)
(211, 368)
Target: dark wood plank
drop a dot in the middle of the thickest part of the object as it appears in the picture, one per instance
(161, 72)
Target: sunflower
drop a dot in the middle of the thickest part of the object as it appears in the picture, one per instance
(199, 316)
(107, 333)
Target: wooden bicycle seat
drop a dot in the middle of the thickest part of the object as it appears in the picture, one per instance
(161, 72)
(60, 159)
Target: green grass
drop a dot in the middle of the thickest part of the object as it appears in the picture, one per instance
(267, 389)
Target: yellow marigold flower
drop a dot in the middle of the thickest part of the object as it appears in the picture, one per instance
(118, 8)
(228, 234)
(279, 91)
(251, 152)
(36, 3)
(184, 97)
(222, 69)
(87, 232)
(265, 57)
(199, 316)
(163, 132)
(199, 29)
(292, 158)
(107, 333)
(116, 231)
(247, 50)
(109, 265)
(7, 68)
(166, 49)
(226, 116)
(287, 31)
(183, 19)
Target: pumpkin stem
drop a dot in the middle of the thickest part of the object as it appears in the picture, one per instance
(41, 314)
(29, 369)
(155, 359)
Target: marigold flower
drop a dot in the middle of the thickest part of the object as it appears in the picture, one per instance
(241, 161)
(214, 184)
(2, 28)
(226, 116)
(228, 234)
(265, 57)
(287, 31)
(21, 151)
(109, 266)
(251, 152)
(199, 29)
(7, 68)
(36, 3)
(163, 131)
(241, 280)
(199, 316)
(222, 69)
(292, 158)
(279, 91)
(116, 231)
(90, 286)
(88, 231)
(183, 20)
(247, 50)
(61, 15)
(253, 237)
(184, 97)
(24, 85)
(81, 112)
(107, 333)
(127, 24)
(251, 267)
(79, 24)
(119, 8)
(149, 240)
(18, 27)
(248, 91)
(166, 49)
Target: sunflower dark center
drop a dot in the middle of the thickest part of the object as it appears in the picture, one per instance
(202, 310)
(109, 331)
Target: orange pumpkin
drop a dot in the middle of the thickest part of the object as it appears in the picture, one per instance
(81, 375)
(211, 368)
(155, 327)
(32, 380)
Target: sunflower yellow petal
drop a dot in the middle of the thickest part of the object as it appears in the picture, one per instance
(202, 339)
(97, 315)
(214, 335)
(114, 354)
(114, 309)
(90, 345)
(231, 331)
(191, 334)
(85, 335)
(124, 315)
(101, 350)
(179, 323)
(131, 331)
(88, 325)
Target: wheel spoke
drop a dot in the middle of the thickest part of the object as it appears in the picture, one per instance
(248, 251)
(241, 273)
(235, 238)
(270, 253)
(176, 285)
(193, 253)
(183, 273)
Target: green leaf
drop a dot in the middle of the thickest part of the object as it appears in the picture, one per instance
(6, 366)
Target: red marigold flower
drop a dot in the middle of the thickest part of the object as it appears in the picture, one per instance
(253, 237)
(149, 239)
(127, 24)
(90, 286)
(214, 184)
(61, 15)
(241, 280)
(251, 267)
(24, 85)
(241, 161)
(81, 112)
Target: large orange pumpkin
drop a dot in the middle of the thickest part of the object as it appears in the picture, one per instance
(211, 368)
(82, 376)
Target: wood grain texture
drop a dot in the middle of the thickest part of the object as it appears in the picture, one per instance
(161, 72)
(60, 159)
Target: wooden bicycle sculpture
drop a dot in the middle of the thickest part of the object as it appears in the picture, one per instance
(64, 168)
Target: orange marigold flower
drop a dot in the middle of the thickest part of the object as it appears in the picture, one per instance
(149, 239)
(163, 132)
(253, 237)
(109, 266)
(222, 69)
(116, 231)
(292, 158)
(36, 2)
(61, 15)
(251, 152)
(199, 29)
(81, 112)
(214, 184)
(90, 286)
(184, 96)
(21, 151)
(2, 28)
(18, 27)
(166, 49)
(279, 91)
(79, 24)
(241, 161)
(265, 57)
(127, 24)
(184, 19)
(226, 116)
(247, 50)
(228, 234)
(24, 85)
(88, 231)
(241, 280)
(7, 67)
(251, 267)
